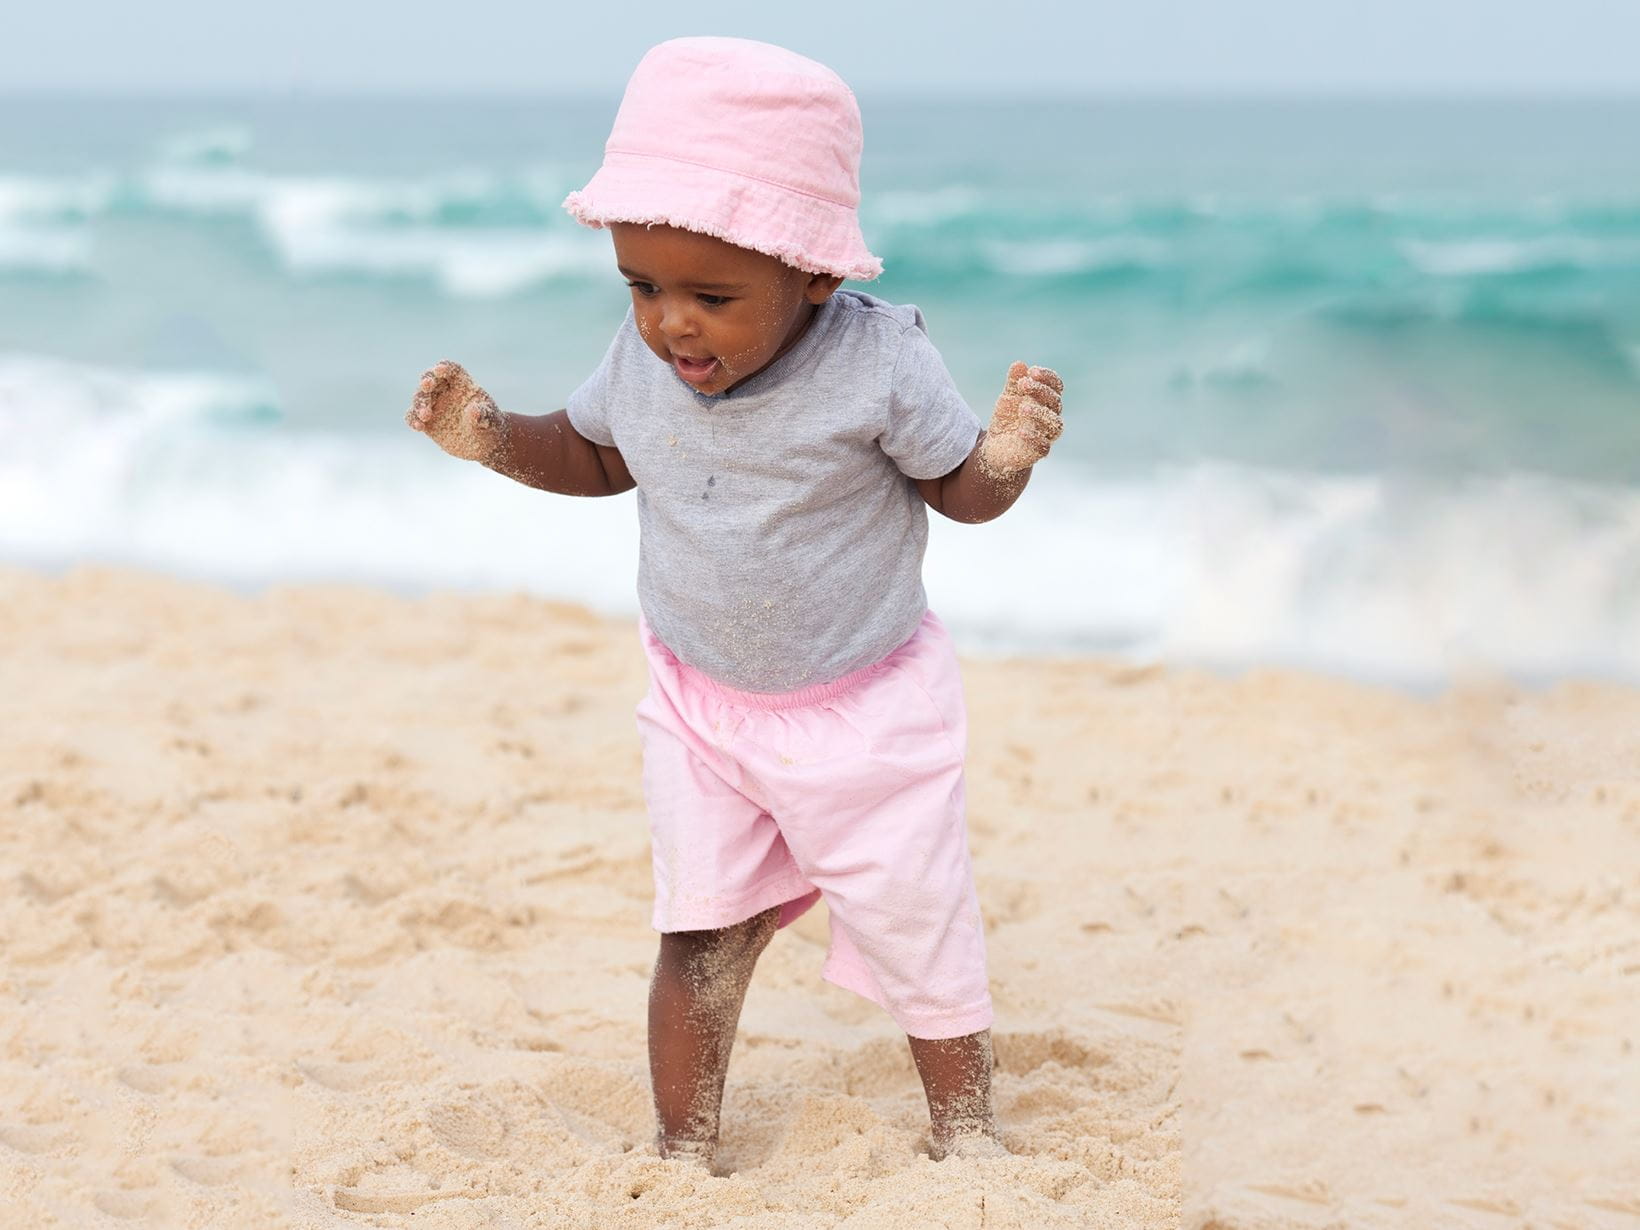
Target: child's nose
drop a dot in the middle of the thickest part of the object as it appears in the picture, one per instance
(677, 320)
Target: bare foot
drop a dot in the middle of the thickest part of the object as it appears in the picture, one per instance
(697, 1154)
(969, 1143)
(956, 1075)
(694, 1004)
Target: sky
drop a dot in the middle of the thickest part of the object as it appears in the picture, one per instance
(1375, 47)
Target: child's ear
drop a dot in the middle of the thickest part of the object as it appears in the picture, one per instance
(821, 286)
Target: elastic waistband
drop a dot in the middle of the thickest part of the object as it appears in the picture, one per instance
(784, 700)
(811, 695)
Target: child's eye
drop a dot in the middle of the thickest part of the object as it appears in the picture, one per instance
(643, 288)
(714, 300)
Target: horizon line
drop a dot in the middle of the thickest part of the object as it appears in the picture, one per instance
(897, 93)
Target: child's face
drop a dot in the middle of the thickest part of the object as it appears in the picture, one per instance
(717, 313)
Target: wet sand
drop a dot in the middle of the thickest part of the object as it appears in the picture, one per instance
(329, 908)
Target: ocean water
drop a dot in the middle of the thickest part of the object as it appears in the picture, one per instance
(1350, 385)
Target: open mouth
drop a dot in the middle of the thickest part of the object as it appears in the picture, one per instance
(695, 371)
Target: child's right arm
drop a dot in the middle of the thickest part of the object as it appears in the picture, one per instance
(542, 451)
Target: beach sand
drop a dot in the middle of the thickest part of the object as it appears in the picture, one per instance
(328, 907)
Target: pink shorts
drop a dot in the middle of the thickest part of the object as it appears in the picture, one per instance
(851, 791)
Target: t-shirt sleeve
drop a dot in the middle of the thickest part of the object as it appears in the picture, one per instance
(930, 428)
(588, 406)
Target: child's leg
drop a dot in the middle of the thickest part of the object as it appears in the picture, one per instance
(956, 1076)
(694, 1005)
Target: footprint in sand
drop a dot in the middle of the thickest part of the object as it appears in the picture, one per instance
(210, 1171)
(394, 1189)
(473, 1123)
(125, 1205)
(1165, 1011)
(343, 1077)
(32, 1138)
(1307, 1191)
(155, 1078)
(386, 1202)
(1022, 1053)
(598, 1100)
(1046, 1075)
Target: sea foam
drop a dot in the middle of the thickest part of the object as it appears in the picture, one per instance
(1395, 578)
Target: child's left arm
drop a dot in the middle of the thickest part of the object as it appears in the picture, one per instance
(1023, 428)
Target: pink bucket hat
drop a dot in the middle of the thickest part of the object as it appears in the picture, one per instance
(745, 141)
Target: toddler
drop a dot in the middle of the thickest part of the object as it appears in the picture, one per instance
(804, 730)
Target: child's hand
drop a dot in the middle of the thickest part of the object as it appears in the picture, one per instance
(461, 418)
(1026, 421)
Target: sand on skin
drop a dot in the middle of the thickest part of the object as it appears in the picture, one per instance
(329, 908)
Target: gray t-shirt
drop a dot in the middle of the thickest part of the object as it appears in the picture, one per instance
(781, 535)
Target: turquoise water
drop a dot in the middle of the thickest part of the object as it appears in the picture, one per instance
(1350, 384)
